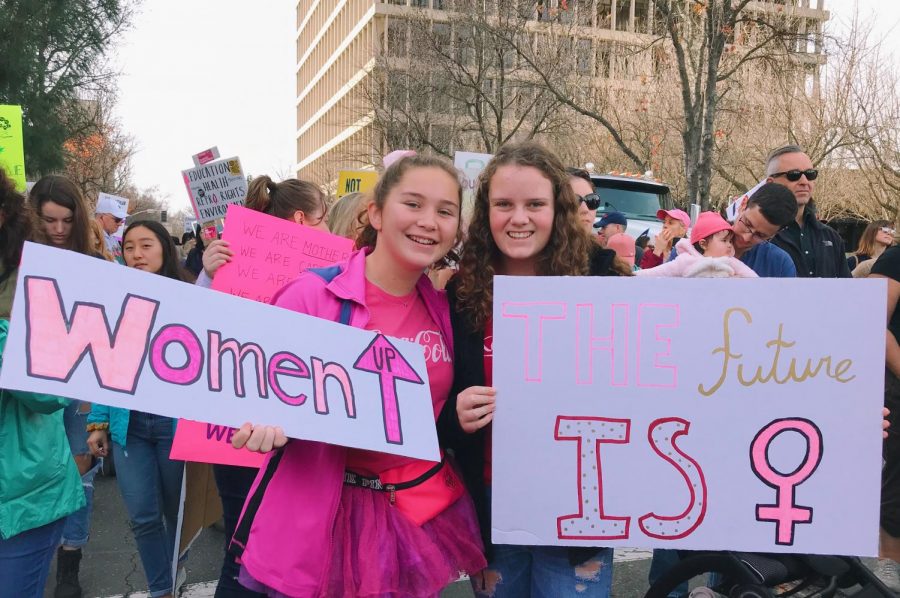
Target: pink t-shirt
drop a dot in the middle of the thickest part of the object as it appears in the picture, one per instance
(407, 318)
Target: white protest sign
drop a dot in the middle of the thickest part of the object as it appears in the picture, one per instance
(92, 330)
(214, 186)
(470, 164)
(688, 413)
(118, 205)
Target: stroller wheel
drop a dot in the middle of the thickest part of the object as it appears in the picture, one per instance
(750, 591)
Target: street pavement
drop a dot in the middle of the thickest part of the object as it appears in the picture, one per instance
(111, 566)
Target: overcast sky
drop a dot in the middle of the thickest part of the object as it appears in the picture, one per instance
(198, 73)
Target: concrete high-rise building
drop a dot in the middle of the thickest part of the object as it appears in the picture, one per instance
(338, 42)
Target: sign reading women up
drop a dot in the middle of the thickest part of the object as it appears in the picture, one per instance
(88, 329)
(688, 413)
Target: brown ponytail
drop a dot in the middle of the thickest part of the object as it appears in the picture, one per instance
(284, 199)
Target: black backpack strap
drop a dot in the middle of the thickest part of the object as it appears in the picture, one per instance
(327, 274)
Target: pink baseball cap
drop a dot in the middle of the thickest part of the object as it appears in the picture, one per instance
(677, 215)
(708, 223)
(623, 245)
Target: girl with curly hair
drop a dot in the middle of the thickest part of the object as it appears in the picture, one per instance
(524, 223)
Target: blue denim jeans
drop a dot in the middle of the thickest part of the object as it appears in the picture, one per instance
(150, 484)
(544, 572)
(78, 525)
(25, 560)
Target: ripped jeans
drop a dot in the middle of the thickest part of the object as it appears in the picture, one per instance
(544, 572)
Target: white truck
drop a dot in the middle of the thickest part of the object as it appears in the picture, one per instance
(638, 197)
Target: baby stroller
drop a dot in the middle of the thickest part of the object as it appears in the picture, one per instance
(753, 575)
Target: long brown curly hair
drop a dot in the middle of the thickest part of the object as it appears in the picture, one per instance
(566, 252)
(388, 180)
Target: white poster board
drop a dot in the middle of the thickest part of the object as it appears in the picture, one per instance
(470, 164)
(92, 330)
(214, 186)
(659, 413)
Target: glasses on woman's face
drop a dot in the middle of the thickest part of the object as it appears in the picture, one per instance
(591, 200)
(888, 230)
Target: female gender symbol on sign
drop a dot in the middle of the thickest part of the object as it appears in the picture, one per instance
(785, 512)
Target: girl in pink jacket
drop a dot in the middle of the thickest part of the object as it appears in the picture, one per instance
(307, 528)
(709, 253)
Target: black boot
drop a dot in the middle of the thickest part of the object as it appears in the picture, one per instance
(67, 563)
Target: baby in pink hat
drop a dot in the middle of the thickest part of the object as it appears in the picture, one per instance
(708, 254)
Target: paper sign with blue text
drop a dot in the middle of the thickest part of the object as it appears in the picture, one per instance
(92, 330)
(700, 414)
(214, 186)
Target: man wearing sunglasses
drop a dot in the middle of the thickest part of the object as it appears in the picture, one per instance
(110, 213)
(816, 249)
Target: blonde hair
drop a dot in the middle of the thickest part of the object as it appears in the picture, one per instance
(98, 241)
(344, 215)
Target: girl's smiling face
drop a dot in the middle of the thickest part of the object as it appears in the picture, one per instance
(419, 221)
(520, 211)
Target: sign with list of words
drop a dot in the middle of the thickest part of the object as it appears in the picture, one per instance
(92, 330)
(700, 414)
(214, 186)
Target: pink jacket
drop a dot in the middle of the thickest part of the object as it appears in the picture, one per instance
(692, 264)
(284, 534)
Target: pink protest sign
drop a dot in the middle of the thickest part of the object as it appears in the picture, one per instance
(209, 443)
(270, 252)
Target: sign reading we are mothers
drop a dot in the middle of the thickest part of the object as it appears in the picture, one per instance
(270, 252)
(92, 330)
(703, 414)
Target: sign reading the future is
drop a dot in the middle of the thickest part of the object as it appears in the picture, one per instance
(688, 413)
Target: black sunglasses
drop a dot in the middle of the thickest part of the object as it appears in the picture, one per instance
(794, 175)
(592, 201)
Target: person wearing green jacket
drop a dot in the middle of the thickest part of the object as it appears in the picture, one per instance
(39, 482)
(39, 486)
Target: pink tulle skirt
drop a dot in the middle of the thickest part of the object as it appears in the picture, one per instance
(378, 552)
